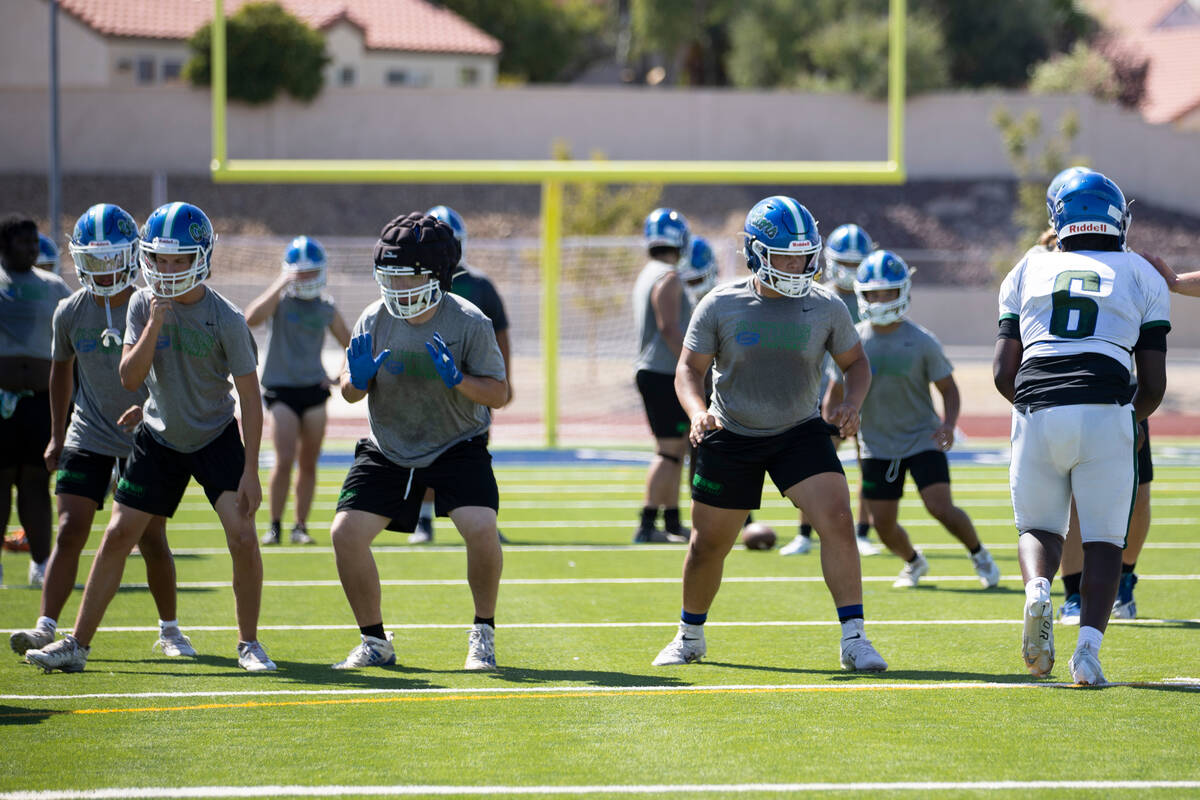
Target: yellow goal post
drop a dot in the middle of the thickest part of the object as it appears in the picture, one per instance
(551, 174)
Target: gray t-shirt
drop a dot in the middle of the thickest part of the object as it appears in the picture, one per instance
(898, 417)
(199, 347)
(414, 416)
(27, 303)
(767, 370)
(295, 333)
(653, 353)
(100, 399)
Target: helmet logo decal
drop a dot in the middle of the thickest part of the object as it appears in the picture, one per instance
(761, 222)
(198, 231)
(126, 228)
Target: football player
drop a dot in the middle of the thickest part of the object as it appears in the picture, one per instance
(661, 311)
(1069, 321)
(429, 366)
(473, 285)
(901, 431)
(28, 298)
(87, 342)
(765, 337)
(47, 255)
(295, 387)
(845, 249)
(183, 340)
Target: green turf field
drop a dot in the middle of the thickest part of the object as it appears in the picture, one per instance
(576, 709)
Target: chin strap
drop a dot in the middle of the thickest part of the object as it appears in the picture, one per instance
(111, 332)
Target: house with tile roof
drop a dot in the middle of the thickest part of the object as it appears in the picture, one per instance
(1167, 33)
(372, 44)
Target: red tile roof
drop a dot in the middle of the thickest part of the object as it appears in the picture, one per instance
(409, 25)
(1173, 81)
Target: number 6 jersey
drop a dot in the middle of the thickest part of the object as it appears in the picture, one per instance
(1079, 316)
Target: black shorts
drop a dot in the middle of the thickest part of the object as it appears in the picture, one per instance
(24, 435)
(297, 398)
(883, 478)
(730, 467)
(157, 476)
(1145, 462)
(667, 418)
(461, 476)
(86, 474)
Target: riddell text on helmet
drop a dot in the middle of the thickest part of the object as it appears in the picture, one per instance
(1091, 227)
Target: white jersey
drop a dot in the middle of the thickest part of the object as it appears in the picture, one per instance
(1076, 303)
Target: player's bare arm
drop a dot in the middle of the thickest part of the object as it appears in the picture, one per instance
(505, 354)
(485, 391)
(689, 387)
(250, 403)
(1005, 363)
(856, 371)
(137, 358)
(1152, 381)
(666, 297)
(62, 386)
(263, 306)
(951, 404)
(1187, 283)
(341, 333)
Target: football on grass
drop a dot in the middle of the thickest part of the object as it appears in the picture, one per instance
(757, 536)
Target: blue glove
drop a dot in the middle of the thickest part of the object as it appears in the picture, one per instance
(363, 365)
(443, 361)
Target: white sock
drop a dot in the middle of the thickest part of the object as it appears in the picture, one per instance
(852, 628)
(1037, 589)
(47, 624)
(1092, 637)
(427, 509)
(163, 624)
(691, 630)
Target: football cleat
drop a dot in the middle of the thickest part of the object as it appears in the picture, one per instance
(865, 546)
(253, 658)
(174, 644)
(687, 646)
(1124, 607)
(37, 574)
(912, 573)
(1068, 613)
(1085, 667)
(481, 648)
(986, 568)
(272, 534)
(1037, 638)
(66, 655)
(655, 536)
(798, 546)
(23, 641)
(424, 532)
(371, 652)
(859, 655)
(300, 535)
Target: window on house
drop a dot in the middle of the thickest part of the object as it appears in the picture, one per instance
(468, 76)
(171, 71)
(145, 69)
(398, 77)
(346, 76)
(125, 65)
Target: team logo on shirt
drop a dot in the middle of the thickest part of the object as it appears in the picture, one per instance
(88, 340)
(187, 340)
(773, 335)
(305, 319)
(411, 364)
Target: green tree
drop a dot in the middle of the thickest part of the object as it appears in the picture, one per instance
(268, 51)
(1104, 72)
(852, 54)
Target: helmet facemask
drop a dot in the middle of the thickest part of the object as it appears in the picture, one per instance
(309, 288)
(105, 269)
(412, 302)
(788, 284)
(174, 284)
(841, 271)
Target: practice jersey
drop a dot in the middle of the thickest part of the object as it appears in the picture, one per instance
(471, 284)
(27, 303)
(654, 355)
(295, 334)
(1072, 307)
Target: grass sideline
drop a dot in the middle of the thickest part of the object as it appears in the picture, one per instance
(576, 709)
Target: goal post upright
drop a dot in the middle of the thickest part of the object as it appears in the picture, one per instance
(551, 174)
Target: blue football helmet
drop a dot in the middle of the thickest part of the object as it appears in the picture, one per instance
(698, 270)
(1090, 203)
(880, 271)
(452, 218)
(779, 225)
(47, 257)
(1057, 183)
(666, 227)
(177, 228)
(305, 256)
(845, 249)
(104, 247)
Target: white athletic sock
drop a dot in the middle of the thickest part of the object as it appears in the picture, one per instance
(427, 509)
(1037, 589)
(1092, 637)
(852, 628)
(47, 624)
(163, 624)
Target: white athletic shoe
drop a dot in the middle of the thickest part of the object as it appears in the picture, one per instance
(66, 654)
(986, 568)
(798, 546)
(424, 532)
(687, 646)
(1085, 667)
(912, 573)
(481, 648)
(174, 644)
(1037, 639)
(33, 639)
(253, 658)
(865, 547)
(858, 654)
(37, 574)
(371, 652)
